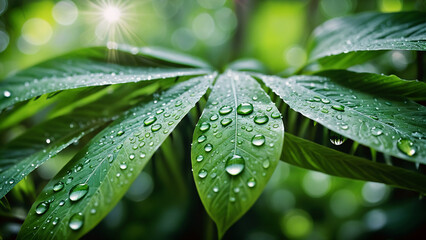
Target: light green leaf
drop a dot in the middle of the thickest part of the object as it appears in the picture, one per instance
(70, 73)
(367, 32)
(307, 154)
(107, 166)
(391, 125)
(235, 149)
(27, 152)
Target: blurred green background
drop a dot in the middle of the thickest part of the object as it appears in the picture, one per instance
(162, 203)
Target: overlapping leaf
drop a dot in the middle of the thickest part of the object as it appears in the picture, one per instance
(236, 147)
(307, 154)
(368, 32)
(96, 178)
(391, 125)
(71, 73)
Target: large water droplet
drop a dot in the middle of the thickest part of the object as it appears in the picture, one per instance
(204, 126)
(251, 182)
(58, 186)
(208, 147)
(235, 165)
(156, 127)
(202, 138)
(42, 208)
(78, 192)
(200, 158)
(266, 164)
(261, 119)
(225, 110)
(336, 138)
(245, 108)
(226, 121)
(406, 146)
(6, 94)
(123, 165)
(258, 140)
(202, 173)
(376, 131)
(150, 120)
(340, 108)
(76, 221)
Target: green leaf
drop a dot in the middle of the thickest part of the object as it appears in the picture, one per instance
(99, 175)
(70, 73)
(27, 152)
(307, 154)
(391, 125)
(232, 156)
(367, 32)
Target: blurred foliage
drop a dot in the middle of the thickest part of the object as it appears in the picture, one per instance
(163, 202)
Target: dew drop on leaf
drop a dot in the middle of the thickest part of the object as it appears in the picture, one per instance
(235, 165)
(226, 121)
(150, 120)
(119, 133)
(245, 108)
(55, 221)
(6, 94)
(214, 117)
(200, 158)
(205, 126)
(201, 138)
(376, 131)
(123, 165)
(58, 186)
(261, 119)
(251, 182)
(78, 192)
(266, 164)
(225, 110)
(202, 173)
(208, 147)
(76, 221)
(258, 140)
(215, 189)
(406, 146)
(156, 127)
(132, 156)
(275, 115)
(42, 208)
(336, 138)
(339, 108)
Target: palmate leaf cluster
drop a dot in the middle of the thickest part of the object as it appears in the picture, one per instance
(131, 103)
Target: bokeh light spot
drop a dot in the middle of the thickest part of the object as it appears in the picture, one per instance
(36, 31)
(296, 224)
(65, 12)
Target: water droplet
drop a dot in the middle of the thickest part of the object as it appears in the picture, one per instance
(92, 211)
(47, 140)
(406, 146)
(226, 121)
(258, 140)
(58, 186)
(76, 221)
(324, 110)
(123, 165)
(325, 101)
(178, 103)
(150, 120)
(202, 138)
(78, 192)
(42, 208)
(376, 131)
(214, 117)
(215, 189)
(251, 182)
(156, 127)
(119, 133)
(261, 119)
(232, 199)
(6, 94)
(204, 126)
(61, 203)
(374, 117)
(275, 115)
(55, 221)
(236, 190)
(245, 108)
(336, 138)
(208, 147)
(202, 173)
(132, 156)
(266, 164)
(344, 127)
(200, 158)
(225, 110)
(339, 108)
(235, 165)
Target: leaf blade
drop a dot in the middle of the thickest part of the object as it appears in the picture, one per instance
(107, 180)
(377, 122)
(307, 154)
(226, 191)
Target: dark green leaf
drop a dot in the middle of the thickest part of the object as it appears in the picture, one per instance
(368, 32)
(235, 150)
(99, 175)
(307, 154)
(390, 125)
